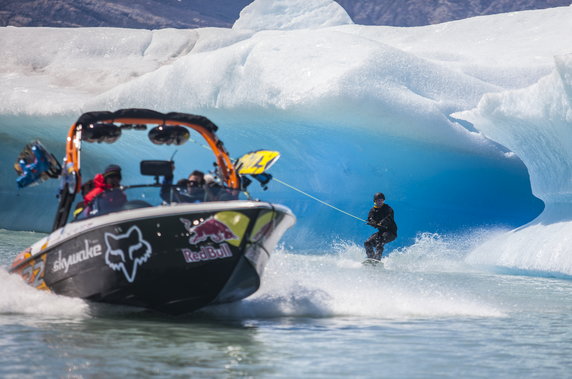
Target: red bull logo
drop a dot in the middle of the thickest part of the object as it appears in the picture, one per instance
(211, 228)
(207, 253)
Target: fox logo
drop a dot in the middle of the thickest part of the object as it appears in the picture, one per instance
(211, 228)
(125, 252)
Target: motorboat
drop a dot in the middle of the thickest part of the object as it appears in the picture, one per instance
(169, 256)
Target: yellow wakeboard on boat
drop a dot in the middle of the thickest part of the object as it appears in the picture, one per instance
(256, 162)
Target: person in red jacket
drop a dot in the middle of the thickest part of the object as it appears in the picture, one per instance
(107, 195)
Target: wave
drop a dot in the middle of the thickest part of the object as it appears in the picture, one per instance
(426, 280)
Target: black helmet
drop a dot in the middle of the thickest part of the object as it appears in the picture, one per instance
(378, 195)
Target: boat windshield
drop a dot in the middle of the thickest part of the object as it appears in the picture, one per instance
(164, 193)
(145, 178)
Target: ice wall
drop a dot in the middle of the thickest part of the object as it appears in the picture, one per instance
(51, 71)
(353, 109)
(536, 123)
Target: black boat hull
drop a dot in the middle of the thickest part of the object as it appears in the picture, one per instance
(173, 259)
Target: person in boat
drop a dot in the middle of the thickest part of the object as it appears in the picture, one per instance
(190, 190)
(216, 192)
(107, 195)
(380, 217)
(85, 189)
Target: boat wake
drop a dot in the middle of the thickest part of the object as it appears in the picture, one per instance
(431, 278)
(17, 297)
(428, 279)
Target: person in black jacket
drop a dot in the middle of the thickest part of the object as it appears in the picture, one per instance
(191, 190)
(380, 217)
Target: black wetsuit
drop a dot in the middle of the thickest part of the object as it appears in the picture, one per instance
(382, 219)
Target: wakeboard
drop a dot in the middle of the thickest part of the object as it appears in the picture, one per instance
(256, 162)
(35, 164)
(372, 262)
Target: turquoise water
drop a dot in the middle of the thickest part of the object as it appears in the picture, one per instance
(318, 314)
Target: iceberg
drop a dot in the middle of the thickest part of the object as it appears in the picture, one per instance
(536, 123)
(463, 125)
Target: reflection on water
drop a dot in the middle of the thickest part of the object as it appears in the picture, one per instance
(130, 344)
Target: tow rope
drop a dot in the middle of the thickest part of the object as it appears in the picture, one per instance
(318, 200)
(295, 189)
